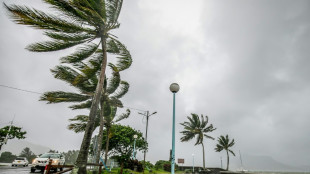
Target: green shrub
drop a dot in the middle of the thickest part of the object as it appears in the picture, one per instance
(167, 167)
(130, 164)
(188, 170)
(160, 164)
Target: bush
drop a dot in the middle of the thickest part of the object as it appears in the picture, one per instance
(130, 164)
(167, 167)
(148, 164)
(7, 157)
(188, 170)
(160, 164)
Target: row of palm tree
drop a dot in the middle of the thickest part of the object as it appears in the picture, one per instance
(199, 129)
(79, 22)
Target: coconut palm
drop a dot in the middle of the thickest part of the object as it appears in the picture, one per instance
(224, 144)
(83, 78)
(76, 22)
(198, 128)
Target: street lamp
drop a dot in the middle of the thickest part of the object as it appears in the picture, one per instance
(221, 163)
(134, 147)
(193, 162)
(174, 88)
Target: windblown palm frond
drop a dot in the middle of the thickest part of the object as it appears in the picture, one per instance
(84, 105)
(124, 58)
(79, 123)
(40, 20)
(75, 78)
(60, 96)
(114, 82)
(123, 89)
(81, 53)
(123, 116)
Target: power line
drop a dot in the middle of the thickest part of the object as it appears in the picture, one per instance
(20, 89)
(42, 93)
(134, 109)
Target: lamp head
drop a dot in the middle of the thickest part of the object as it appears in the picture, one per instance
(174, 87)
(135, 136)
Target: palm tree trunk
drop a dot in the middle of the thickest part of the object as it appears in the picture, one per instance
(83, 154)
(203, 154)
(122, 166)
(100, 136)
(227, 160)
(107, 146)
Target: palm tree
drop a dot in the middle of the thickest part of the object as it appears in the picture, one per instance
(87, 22)
(224, 144)
(197, 128)
(83, 78)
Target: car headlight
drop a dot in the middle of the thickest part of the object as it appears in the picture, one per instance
(55, 161)
(34, 161)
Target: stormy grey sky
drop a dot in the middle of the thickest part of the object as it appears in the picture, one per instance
(244, 63)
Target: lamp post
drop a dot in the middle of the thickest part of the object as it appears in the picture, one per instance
(193, 162)
(174, 88)
(134, 147)
(221, 163)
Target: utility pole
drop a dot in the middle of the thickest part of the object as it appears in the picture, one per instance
(147, 125)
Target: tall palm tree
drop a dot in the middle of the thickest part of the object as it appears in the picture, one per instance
(76, 22)
(224, 144)
(83, 78)
(198, 128)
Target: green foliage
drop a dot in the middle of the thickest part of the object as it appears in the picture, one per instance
(10, 133)
(26, 152)
(160, 164)
(121, 142)
(167, 167)
(7, 157)
(148, 165)
(164, 165)
(131, 164)
(188, 170)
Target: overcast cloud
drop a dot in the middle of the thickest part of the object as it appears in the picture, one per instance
(244, 63)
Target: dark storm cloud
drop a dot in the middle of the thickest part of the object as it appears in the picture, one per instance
(243, 63)
(267, 83)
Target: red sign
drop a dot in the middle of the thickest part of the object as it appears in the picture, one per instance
(181, 161)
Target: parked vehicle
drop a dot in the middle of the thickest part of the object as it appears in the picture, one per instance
(41, 161)
(20, 161)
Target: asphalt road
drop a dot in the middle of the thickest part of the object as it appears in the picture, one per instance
(7, 169)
